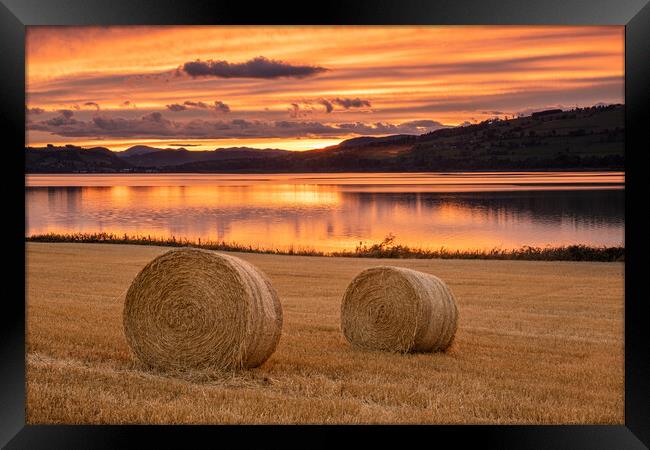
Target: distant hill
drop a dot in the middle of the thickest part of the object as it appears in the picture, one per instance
(70, 159)
(580, 139)
(171, 157)
(385, 140)
(137, 150)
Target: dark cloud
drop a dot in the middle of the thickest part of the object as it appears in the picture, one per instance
(175, 107)
(220, 106)
(196, 104)
(66, 113)
(294, 110)
(348, 103)
(411, 127)
(155, 117)
(64, 119)
(345, 103)
(92, 104)
(259, 67)
(299, 110)
(34, 110)
(327, 104)
(154, 125)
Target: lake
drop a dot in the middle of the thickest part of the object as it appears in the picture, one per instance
(338, 211)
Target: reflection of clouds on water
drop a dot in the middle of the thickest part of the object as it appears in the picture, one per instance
(329, 217)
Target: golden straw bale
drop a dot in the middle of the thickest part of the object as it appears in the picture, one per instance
(398, 310)
(192, 309)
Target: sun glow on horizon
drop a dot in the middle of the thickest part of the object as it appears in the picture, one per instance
(303, 87)
(303, 144)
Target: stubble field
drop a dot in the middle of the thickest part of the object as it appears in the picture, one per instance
(538, 342)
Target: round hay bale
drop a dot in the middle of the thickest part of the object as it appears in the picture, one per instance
(398, 310)
(192, 309)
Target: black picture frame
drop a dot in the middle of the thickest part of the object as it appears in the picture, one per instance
(634, 14)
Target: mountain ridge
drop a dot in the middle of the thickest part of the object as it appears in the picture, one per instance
(582, 138)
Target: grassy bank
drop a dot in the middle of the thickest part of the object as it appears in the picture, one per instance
(388, 248)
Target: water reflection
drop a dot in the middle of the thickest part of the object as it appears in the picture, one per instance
(321, 214)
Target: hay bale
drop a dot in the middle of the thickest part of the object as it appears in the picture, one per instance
(398, 310)
(192, 309)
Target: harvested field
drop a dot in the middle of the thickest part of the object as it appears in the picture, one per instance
(537, 342)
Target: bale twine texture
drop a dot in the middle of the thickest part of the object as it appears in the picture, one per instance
(398, 310)
(192, 309)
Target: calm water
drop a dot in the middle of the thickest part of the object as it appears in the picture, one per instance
(337, 211)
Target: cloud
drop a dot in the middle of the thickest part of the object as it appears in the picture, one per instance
(410, 127)
(512, 101)
(34, 110)
(259, 67)
(327, 104)
(220, 106)
(64, 119)
(345, 103)
(155, 117)
(196, 104)
(66, 113)
(92, 104)
(155, 125)
(175, 107)
(296, 110)
(348, 103)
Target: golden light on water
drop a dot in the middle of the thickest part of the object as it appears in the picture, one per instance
(330, 212)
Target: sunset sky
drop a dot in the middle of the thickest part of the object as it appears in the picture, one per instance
(300, 88)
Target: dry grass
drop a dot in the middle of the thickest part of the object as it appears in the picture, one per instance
(538, 342)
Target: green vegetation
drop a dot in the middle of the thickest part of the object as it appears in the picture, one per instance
(388, 248)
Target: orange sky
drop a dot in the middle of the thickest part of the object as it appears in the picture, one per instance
(303, 87)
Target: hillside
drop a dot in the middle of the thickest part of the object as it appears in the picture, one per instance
(170, 157)
(584, 138)
(73, 159)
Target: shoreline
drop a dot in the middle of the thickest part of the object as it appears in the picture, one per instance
(385, 249)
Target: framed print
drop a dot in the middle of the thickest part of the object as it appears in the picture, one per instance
(403, 213)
